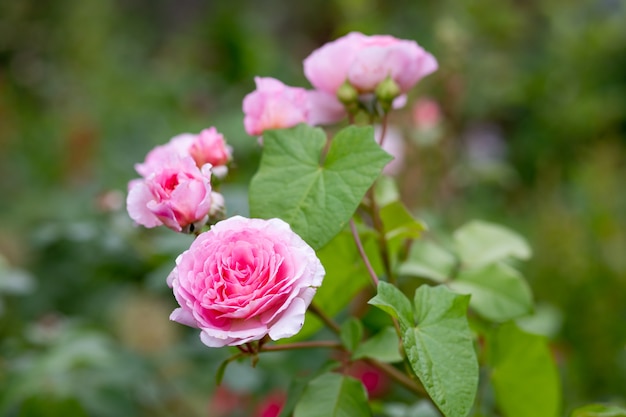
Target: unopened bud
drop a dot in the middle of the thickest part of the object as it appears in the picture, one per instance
(347, 94)
(386, 92)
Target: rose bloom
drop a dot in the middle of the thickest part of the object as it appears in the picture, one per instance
(365, 61)
(176, 194)
(245, 279)
(273, 105)
(207, 147)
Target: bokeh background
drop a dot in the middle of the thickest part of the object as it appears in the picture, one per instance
(530, 132)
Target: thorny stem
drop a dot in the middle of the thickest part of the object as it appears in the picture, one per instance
(359, 245)
(313, 308)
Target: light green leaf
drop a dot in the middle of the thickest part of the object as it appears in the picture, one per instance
(393, 302)
(351, 333)
(499, 293)
(386, 190)
(428, 260)
(480, 243)
(399, 225)
(333, 395)
(524, 376)
(316, 198)
(599, 410)
(440, 349)
(384, 347)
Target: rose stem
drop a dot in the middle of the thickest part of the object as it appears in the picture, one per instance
(382, 241)
(387, 369)
(359, 245)
(398, 376)
(322, 316)
(383, 129)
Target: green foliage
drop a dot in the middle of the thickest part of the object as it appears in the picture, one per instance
(351, 333)
(333, 395)
(345, 277)
(393, 302)
(315, 193)
(435, 330)
(523, 374)
(599, 410)
(499, 292)
(480, 243)
(383, 346)
(440, 349)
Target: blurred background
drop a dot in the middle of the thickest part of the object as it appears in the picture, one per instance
(524, 124)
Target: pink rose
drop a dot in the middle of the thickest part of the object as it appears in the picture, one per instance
(176, 194)
(208, 146)
(273, 105)
(365, 61)
(245, 279)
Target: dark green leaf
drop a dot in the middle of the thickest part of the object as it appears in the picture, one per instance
(333, 395)
(524, 376)
(345, 277)
(384, 347)
(316, 198)
(440, 349)
(499, 293)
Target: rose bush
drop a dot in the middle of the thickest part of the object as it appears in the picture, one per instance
(245, 279)
(176, 193)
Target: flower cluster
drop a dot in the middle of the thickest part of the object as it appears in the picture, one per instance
(175, 186)
(354, 72)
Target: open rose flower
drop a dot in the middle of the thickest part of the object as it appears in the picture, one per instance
(207, 147)
(176, 194)
(245, 279)
(273, 105)
(366, 61)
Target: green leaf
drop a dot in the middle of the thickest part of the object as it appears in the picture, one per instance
(346, 275)
(393, 302)
(333, 395)
(384, 347)
(599, 410)
(480, 243)
(499, 293)
(399, 225)
(351, 333)
(386, 190)
(294, 393)
(428, 260)
(440, 349)
(316, 198)
(524, 376)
